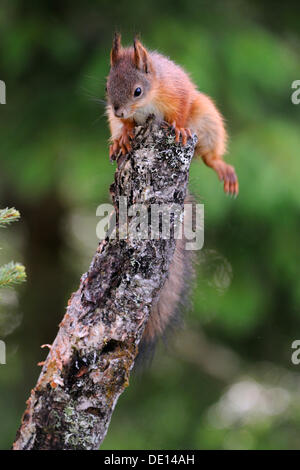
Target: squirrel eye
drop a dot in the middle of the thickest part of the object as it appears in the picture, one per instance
(137, 91)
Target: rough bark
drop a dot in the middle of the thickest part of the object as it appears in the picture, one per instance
(89, 363)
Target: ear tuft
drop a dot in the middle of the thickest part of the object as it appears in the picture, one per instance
(141, 56)
(116, 49)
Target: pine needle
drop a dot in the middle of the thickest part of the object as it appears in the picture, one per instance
(8, 215)
(11, 274)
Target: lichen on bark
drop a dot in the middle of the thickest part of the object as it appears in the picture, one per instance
(89, 363)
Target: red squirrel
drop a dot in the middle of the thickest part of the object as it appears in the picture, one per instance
(141, 83)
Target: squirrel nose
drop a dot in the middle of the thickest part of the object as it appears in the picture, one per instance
(117, 112)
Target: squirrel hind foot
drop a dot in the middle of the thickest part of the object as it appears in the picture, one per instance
(227, 174)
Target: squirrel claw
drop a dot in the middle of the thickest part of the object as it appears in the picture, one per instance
(181, 132)
(114, 150)
(121, 145)
(125, 143)
(112, 155)
(231, 185)
(185, 135)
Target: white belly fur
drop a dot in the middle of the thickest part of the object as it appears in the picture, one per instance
(141, 114)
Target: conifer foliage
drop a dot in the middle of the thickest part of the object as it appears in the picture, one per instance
(10, 273)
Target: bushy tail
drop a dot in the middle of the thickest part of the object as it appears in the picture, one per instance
(166, 314)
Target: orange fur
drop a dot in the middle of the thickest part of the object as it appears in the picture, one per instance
(172, 97)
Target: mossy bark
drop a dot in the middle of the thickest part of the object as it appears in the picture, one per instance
(89, 363)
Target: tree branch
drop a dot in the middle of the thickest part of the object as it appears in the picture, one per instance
(89, 363)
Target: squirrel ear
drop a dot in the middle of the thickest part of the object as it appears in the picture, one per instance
(116, 49)
(141, 57)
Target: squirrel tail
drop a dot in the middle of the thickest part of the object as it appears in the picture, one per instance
(166, 313)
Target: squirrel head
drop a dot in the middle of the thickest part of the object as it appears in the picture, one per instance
(130, 78)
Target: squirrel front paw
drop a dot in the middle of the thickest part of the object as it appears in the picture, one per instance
(121, 145)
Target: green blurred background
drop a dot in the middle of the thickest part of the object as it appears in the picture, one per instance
(226, 381)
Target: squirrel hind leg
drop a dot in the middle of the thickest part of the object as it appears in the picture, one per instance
(226, 173)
